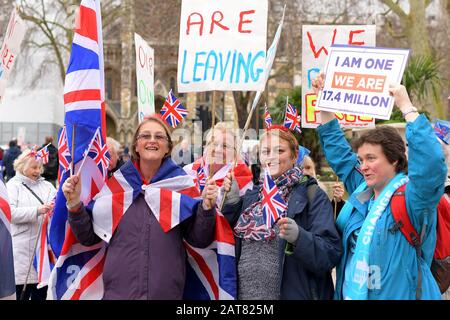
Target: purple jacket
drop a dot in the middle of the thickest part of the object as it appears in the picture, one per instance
(142, 261)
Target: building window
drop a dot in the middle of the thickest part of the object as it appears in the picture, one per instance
(109, 88)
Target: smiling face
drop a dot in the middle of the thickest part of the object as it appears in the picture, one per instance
(152, 142)
(220, 148)
(276, 154)
(377, 170)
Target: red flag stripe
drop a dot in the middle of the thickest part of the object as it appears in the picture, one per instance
(118, 199)
(224, 233)
(87, 25)
(88, 279)
(82, 95)
(42, 249)
(165, 210)
(4, 206)
(206, 271)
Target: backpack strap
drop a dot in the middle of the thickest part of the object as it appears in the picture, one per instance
(403, 223)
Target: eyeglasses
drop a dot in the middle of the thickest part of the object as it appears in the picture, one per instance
(148, 136)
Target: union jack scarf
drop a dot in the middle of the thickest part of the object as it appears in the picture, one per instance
(169, 196)
(211, 271)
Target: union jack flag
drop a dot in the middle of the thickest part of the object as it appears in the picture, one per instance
(201, 176)
(44, 259)
(7, 281)
(273, 206)
(267, 117)
(291, 119)
(43, 154)
(64, 155)
(211, 271)
(77, 273)
(442, 130)
(98, 151)
(173, 112)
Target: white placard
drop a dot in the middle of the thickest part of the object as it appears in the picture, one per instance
(222, 45)
(357, 80)
(145, 62)
(11, 48)
(316, 42)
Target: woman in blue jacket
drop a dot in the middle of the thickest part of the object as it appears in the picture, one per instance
(297, 262)
(378, 262)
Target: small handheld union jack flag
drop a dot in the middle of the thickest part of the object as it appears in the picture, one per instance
(43, 154)
(442, 130)
(98, 151)
(173, 112)
(64, 155)
(292, 118)
(267, 117)
(273, 205)
(201, 176)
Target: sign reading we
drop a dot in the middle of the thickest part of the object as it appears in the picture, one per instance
(357, 80)
(316, 42)
(222, 45)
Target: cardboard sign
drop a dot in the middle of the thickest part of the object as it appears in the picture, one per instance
(316, 42)
(145, 77)
(357, 80)
(222, 45)
(10, 48)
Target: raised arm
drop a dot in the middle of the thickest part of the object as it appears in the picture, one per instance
(337, 150)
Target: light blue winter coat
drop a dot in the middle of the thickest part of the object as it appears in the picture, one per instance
(395, 274)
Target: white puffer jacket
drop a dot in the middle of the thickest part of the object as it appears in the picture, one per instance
(24, 221)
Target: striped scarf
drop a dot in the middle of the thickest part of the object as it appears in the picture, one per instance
(251, 224)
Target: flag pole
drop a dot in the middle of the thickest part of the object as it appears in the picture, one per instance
(240, 142)
(73, 150)
(22, 295)
(213, 123)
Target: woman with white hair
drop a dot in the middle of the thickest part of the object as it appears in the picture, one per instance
(30, 198)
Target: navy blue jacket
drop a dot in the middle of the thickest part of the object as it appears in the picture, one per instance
(306, 274)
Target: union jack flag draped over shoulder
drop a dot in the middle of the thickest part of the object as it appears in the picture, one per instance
(292, 119)
(273, 206)
(173, 112)
(77, 273)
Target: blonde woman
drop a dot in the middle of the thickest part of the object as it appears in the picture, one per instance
(30, 198)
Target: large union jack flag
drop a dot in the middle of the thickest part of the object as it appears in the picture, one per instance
(77, 273)
(173, 112)
(273, 206)
(291, 119)
(7, 281)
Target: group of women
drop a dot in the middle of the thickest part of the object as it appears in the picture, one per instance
(293, 259)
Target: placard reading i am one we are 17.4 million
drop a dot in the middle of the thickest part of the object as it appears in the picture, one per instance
(358, 78)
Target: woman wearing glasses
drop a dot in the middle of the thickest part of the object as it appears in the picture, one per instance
(144, 260)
